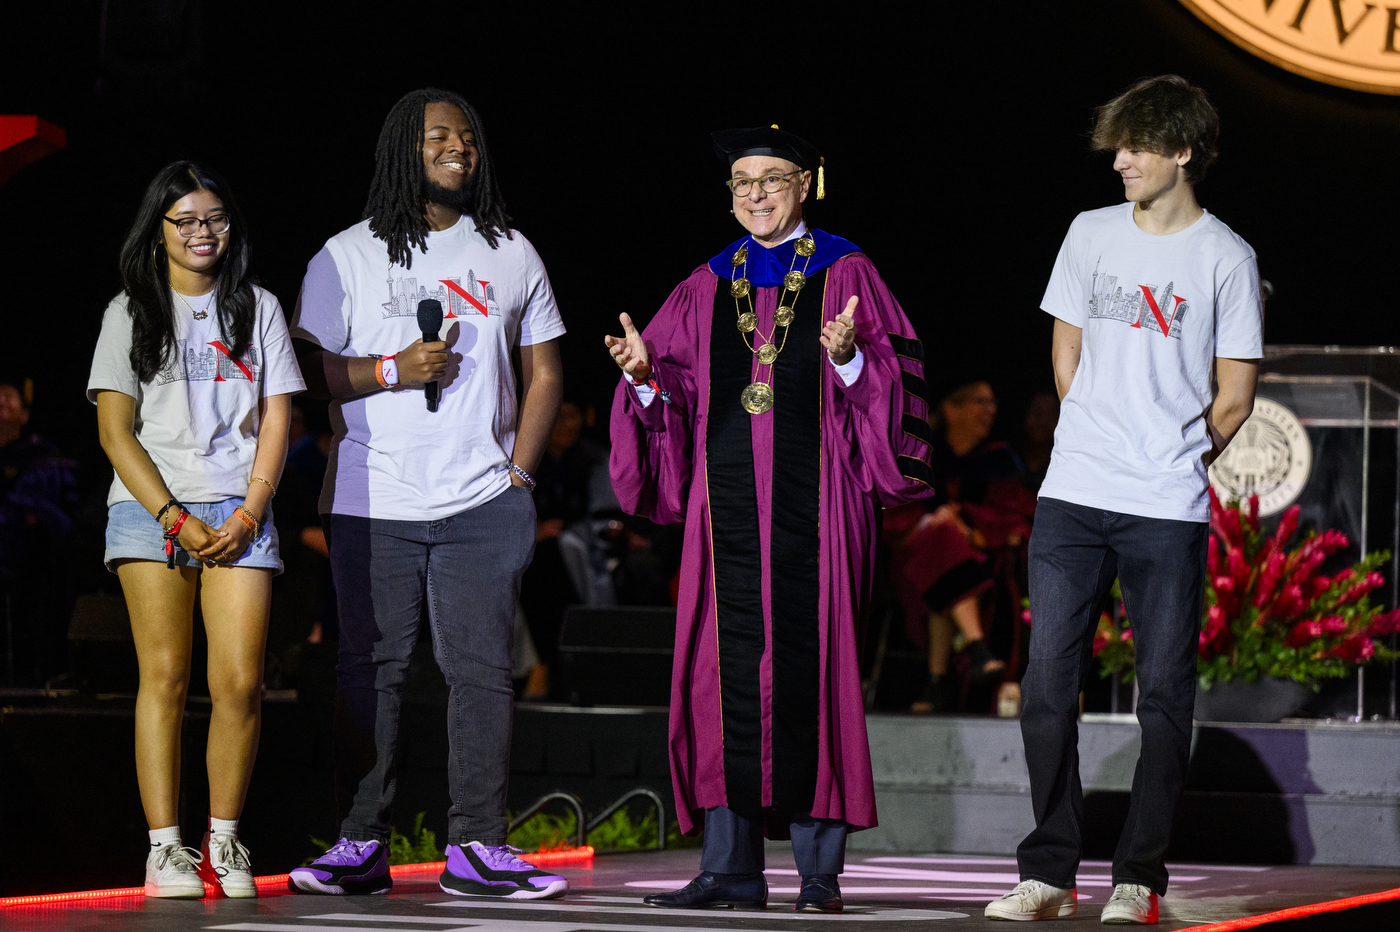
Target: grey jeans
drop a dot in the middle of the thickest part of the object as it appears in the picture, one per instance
(467, 567)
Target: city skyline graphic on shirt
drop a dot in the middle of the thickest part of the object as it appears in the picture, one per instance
(1111, 301)
(406, 292)
(208, 362)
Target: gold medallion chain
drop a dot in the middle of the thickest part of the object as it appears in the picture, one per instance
(757, 397)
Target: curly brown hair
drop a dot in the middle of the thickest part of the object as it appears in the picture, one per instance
(1166, 115)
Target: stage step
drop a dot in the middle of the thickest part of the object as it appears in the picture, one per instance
(1299, 792)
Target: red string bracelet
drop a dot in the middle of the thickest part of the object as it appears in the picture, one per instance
(665, 395)
(170, 536)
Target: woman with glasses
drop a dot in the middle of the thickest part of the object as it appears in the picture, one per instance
(191, 378)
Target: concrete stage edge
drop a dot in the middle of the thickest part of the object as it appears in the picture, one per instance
(1297, 792)
(882, 892)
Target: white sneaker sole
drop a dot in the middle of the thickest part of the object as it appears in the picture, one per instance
(239, 891)
(558, 888)
(176, 891)
(1061, 911)
(308, 884)
(1123, 919)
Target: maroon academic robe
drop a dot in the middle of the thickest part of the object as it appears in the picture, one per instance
(766, 707)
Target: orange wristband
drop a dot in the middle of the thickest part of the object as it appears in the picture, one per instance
(250, 522)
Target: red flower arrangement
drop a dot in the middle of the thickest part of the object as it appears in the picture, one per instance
(1269, 611)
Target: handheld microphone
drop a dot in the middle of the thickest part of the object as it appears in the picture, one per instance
(430, 322)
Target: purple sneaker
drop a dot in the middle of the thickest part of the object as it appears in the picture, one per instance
(349, 868)
(476, 870)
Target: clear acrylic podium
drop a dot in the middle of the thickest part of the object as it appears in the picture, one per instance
(1340, 419)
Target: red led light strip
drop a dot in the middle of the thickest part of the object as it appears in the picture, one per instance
(273, 882)
(1298, 912)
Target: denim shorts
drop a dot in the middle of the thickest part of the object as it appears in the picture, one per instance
(132, 534)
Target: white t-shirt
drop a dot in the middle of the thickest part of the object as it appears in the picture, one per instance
(392, 457)
(1156, 311)
(198, 418)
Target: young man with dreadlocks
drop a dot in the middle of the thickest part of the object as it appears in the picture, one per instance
(429, 503)
(1154, 300)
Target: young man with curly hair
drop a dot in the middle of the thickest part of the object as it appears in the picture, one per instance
(1156, 303)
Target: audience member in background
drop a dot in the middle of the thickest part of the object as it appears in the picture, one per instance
(38, 500)
(939, 547)
(304, 597)
(569, 565)
(191, 379)
(1038, 437)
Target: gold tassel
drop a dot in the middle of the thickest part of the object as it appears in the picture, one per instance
(821, 180)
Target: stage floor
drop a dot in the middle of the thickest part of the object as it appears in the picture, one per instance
(882, 892)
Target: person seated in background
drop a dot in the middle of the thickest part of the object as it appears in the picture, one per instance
(38, 500)
(568, 565)
(1037, 437)
(939, 547)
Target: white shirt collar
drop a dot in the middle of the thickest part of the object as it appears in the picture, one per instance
(801, 229)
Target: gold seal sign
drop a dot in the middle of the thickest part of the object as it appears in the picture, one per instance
(783, 316)
(767, 353)
(747, 322)
(793, 280)
(806, 246)
(757, 398)
(739, 287)
(741, 256)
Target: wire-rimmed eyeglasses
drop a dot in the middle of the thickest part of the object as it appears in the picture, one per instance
(771, 184)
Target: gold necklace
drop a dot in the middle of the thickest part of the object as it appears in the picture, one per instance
(198, 315)
(757, 397)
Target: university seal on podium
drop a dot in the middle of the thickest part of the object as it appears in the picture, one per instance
(1271, 457)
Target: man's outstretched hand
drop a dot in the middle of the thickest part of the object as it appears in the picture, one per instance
(839, 335)
(629, 352)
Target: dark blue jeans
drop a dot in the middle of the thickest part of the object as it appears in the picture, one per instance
(1075, 554)
(468, 568)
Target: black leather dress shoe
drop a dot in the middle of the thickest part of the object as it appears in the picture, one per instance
(820, 894)
(709, 891)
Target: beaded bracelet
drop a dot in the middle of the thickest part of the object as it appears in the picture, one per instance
(164, 508)
(249, 520)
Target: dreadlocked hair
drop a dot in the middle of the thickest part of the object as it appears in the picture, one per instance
(395, 206)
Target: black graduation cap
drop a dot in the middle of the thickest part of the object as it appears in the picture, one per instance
(734, 144)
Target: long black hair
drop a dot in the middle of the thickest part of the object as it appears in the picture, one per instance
(395, 206)
(146, 270)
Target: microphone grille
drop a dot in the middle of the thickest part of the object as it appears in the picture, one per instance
(429, 315)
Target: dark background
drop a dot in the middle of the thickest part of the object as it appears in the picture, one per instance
(954, 133)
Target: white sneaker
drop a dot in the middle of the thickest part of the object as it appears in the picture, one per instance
(1034, 900)
(174, 871)
(1131, 905)
(226, 866)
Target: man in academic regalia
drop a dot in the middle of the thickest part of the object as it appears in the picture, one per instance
(773, 404)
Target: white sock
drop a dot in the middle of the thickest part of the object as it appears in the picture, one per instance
(223, 826)
(160, 837)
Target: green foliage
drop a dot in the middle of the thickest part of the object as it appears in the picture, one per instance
(418, 847)
(547, 832)
(1269, 611)
(544, 831)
